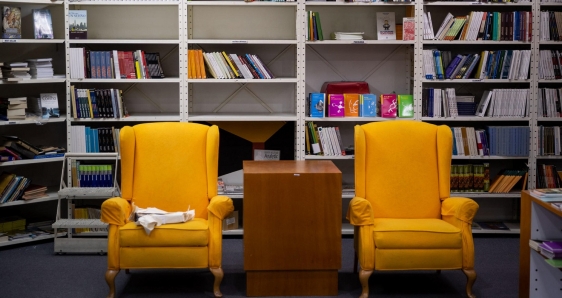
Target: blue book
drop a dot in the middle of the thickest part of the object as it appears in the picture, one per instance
(452, 66)
(317, 103)
(454, 142)
(367, 105)
(54, 155)
(438, 64)
(507, 63)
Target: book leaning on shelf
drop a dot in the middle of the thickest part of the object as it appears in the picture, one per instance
(17, 149)
(221, 65)
(12, 187)
(11, 22)
(42, 24)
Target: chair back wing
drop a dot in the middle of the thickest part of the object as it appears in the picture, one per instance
(403, 167)
(171, 166)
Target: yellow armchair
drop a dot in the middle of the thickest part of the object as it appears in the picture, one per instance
(173, 167)
(403, 215)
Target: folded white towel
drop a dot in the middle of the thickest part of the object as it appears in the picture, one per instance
(152, 217)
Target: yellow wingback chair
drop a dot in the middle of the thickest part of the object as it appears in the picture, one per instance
(402, 212)
(173, 167)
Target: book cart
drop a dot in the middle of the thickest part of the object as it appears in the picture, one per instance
(87, 241)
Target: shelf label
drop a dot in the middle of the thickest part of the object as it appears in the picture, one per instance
(476, 3)
(358, 41)
(9, 40)
(239, 41)
(477, 80)
(12, 122)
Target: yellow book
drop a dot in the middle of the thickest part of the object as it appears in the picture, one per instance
(201, 64)
(483, 59)
(90, 101)
(230, 64)
(73, 102)
(137, 71)
(197, 71)
(190, 64)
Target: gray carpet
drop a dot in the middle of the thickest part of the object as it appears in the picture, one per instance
(33, 270)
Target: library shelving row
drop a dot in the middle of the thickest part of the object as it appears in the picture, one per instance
(276, 33)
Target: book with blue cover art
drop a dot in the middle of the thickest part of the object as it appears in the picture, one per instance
(367, 105)
(317, 104)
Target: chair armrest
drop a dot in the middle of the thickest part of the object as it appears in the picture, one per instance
(360, 212)
(220, 206)
(458, 210)
(116, 211)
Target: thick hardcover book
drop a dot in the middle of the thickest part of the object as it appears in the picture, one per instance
(11, 22)
(78, 24)
(336, 107)
(389, 105)
(42, 24)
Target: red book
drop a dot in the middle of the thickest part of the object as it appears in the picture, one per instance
(389, 105)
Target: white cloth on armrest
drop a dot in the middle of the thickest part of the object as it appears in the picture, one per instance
(152, 217)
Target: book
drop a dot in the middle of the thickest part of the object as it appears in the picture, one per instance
(78, 24)
(493, 226)
(408, 28)
(405, 106)
(49, 105)
(389, 105)
(317, 103)
(367, 105)
(336, 107)
(552, 246)
(11, 22)
(351, 102)
(42, 24)
(547, 192)
(386, 26)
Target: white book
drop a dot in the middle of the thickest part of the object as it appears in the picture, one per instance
(220, 61)
(116, 70)
(431, 25)
(240, 66)
(386, 26)
(215, 66)
(448, 18)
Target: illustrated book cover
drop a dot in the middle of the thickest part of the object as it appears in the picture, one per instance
(336, 106)
(368, 105)
(49, 105)
(317, 103)
(78, 24)
(405, 106)
(11, 22)
(351, 101)
(42, 24)
(408, 28)
(389, 106)
(386, 26)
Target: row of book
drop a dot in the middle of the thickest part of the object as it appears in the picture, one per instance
(550, 65)
(15, 227)
(231, 66)
(360, 105)
(470, 178)
(494, 140)
(12, 21)
(549, 102)
(97, 103)
(21, 108)
(314, 27)
(12, 187)
(17, 149)
(87, 213)
(93, 140)
(548, 176)
(502, 64)
(323, 140)
(90, 175)
(482, 25)
(114, 64)
(551, 26)
(508, 179)
(549, 142)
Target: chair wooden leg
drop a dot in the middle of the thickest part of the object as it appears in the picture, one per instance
(127, 271)
(218, 273)
(471, 278)
(110, 279)
(364, 279)
(355, 261)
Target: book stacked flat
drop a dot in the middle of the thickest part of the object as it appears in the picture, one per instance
(348, 35)
(551, 249)
(548, 194)
(13, 108)
(16, 71)
(34, 191)
(41, 68)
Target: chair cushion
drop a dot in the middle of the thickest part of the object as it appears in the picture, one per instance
(191, 233)
(427, 233)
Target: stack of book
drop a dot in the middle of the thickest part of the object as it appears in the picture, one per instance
(34, 191)
(553, 251)
(16, 149)
(41, 68)
(348, 35)
(13, 108)
(548, 194)
(16, 71)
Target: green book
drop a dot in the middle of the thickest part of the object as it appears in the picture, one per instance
(318, 25)
(554, 262)
(405, 106)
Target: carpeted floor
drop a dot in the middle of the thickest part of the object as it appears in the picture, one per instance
(34, 271)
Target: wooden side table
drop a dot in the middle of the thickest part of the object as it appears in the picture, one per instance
(292, 227)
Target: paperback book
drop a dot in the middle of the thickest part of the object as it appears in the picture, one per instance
(389, 106)
(386, 26)
(367, 105)
(11, 22)
(49, 105)
(317, 103)
(42, 24)
(78, 24)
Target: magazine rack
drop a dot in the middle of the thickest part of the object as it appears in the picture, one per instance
(92, 241)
